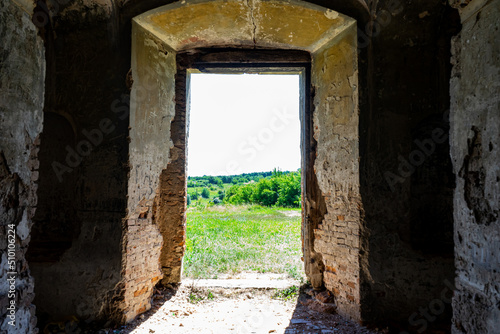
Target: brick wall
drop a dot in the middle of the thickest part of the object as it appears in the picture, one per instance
(141, 271)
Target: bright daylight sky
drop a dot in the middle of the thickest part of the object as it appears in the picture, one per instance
(242, 123)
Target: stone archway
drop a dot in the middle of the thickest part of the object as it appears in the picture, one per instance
(154, 231)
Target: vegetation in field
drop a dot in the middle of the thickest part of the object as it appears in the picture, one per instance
(286, 294)
(274, 188)
(230, 239)
(280, 189)
(196, 295)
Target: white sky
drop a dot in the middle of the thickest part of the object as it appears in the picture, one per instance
(242, 123)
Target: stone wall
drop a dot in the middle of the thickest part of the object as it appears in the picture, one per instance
(22, 73)
(475, 143)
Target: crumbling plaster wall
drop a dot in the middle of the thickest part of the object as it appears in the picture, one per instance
(152, 99)
(402, 85)
(475, 151)
(389, 116)
(22, 73)
(335, 81)
(258, 23)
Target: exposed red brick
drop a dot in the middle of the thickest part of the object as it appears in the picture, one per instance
(325, 297)
(331, 269)
(140, 291)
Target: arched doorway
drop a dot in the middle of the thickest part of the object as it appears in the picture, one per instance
(168, 41)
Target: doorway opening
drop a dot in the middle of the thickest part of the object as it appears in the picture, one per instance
(166, 44)
(244, 174)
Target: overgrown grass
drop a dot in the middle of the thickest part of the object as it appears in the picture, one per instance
(287, 294)
(232, 239)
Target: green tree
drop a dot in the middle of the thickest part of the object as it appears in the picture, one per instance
(268, 197)
(219, 181)
(277, 188)
(289, 190)
(221, 194)
(194, 196)
(205, 193)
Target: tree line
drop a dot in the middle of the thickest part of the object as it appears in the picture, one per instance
(207, 180)
(276, 188)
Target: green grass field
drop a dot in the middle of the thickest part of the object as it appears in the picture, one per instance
(245, 238)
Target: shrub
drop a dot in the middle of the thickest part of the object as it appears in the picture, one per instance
(221, 194)
(205, 193)
(268, 197)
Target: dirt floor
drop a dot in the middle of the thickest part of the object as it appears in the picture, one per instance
(192, 309)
